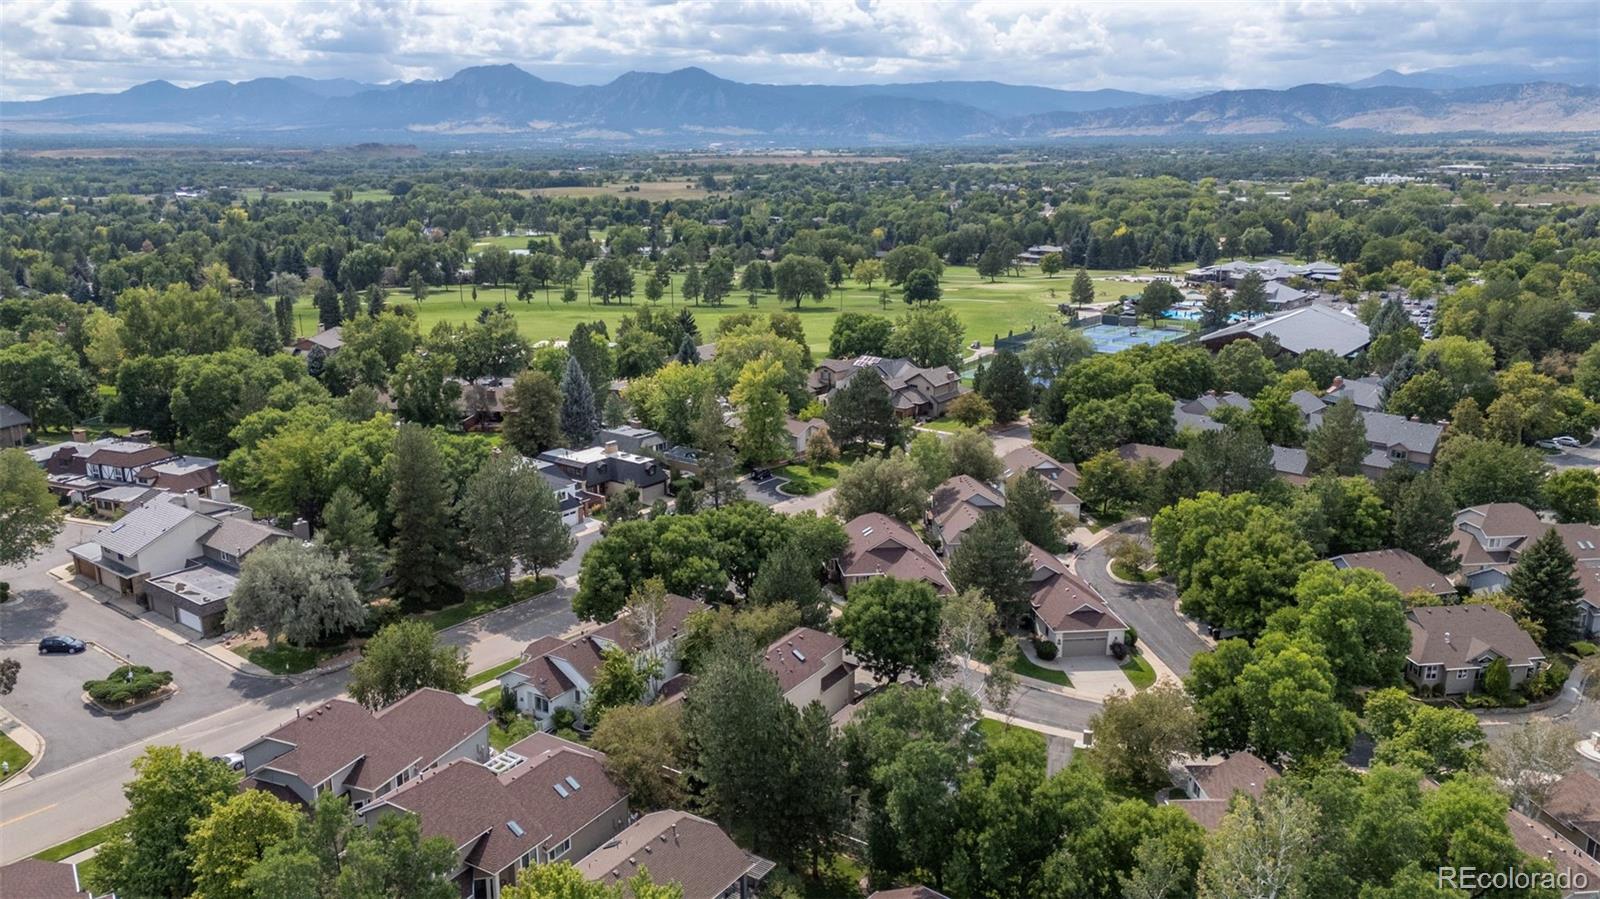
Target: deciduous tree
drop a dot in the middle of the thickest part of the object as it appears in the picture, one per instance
(296, 590)
(402, 658)
(893, 627)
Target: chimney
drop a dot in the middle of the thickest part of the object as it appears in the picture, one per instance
(221, 492)
(611, 448)
(80, 435)
(191, 499)
(1338, 383)
(301, 529)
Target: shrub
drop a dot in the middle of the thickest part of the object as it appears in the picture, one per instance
(1132, 639)
(129, 683)
(1044, 649)
(1549, 681)
(1584, 649)
(1497, 680)
(563, 719)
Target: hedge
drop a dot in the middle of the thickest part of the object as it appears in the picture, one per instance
(118, 688)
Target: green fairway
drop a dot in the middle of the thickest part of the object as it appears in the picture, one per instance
(987, 309)
(321, 196)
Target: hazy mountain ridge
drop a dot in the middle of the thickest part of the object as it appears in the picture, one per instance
(692, 106)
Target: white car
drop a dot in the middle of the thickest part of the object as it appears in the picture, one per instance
(233, 760)
(1565, 440)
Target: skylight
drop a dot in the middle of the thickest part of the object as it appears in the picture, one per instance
(573, 783)
(514, 827)
(561, 791)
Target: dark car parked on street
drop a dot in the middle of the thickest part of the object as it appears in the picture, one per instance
(58, 643)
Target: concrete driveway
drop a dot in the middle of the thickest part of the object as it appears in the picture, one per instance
(1098, 676)
(1149, 608)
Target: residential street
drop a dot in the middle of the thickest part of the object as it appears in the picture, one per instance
(1148, 608)
(77, 784)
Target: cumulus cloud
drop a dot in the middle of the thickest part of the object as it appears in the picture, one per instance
(54, 47)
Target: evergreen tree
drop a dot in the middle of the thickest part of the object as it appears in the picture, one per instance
(693, 284)
(791, 575)
(350, 530)
(1250, 297)
(328, 311)
(1029, 507)
(1340, 443)
(349, 303)
(376, 302)
(719, 473)
(1082, 289)
(424, 533)
(577, 406)
(1546, 582)
(283, 312)
(1214, 309)
(1424, 523)
(862, 412)
(1007, 388)
(993, 561)
(688, 353)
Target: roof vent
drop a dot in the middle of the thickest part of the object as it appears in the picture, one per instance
(514, 827)
(561, 790)
(866, 531)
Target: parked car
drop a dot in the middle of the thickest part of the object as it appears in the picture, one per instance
(1565, 440)
(58, 643)
(233, 760)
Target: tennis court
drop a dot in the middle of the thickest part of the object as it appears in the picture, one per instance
(1114, 338)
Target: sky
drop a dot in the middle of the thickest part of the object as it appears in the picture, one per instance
(75, 46)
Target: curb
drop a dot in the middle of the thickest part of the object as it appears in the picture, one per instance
(155, 699)
(560, 584)
(21, 775)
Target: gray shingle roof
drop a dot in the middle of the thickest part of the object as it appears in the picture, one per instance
(143, 526)
(1474, 631)
(10, 417)
(1302, 330)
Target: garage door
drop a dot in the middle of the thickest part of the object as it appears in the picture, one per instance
(1084, 645)
(190, 619)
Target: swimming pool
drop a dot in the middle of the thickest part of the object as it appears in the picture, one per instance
(1113, 338)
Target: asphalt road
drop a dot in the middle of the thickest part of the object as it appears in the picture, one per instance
(1148, 608)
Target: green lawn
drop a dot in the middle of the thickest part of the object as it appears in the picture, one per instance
(1139, 672)
(488, 600)
(321, 196)
(988, 310)
(14, 755)
(503, 737)
(803, 481)
(1026, 667)
(487, 675)
(286, 659)
(80, 842)
(943, 425)
(1136, 575)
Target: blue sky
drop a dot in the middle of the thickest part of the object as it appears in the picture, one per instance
(70, 46)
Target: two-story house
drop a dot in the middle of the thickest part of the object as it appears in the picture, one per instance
(608, 470)
(121, 461)
(542, 800)
(1061, 478)
(558, 674)
(915, 392)
(1068, 612)
(955, 506)
(633, 439)
(810, 667)
(1452, 646)
(341, 748)
(13, 426)
(196, 596)
(1403, 570)
(677, 847)
(1209, 785)
(880, 546)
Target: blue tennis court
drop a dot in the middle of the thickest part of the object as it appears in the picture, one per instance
(1113, 338)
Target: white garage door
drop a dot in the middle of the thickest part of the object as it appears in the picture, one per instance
(190, 619)
(1083, 645)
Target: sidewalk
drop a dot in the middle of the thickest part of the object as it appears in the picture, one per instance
(28, 739)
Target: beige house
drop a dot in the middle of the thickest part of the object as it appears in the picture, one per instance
(677, 847)
(339, 747)
(1452, 646)
(1068, 612)
(1060, 477)
(541, 800)
(1403, 570)
(955, 506)
(915, 392)
(800, 434)
(880, 546)
(1209, 785)
(810, 667)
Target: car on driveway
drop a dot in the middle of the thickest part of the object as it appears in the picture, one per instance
(1565, 440)
(57, 643)
(233, 760)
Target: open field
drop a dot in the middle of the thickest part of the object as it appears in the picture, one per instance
(655, 191)
(1009, 304)
(321, 196)
(751, 159)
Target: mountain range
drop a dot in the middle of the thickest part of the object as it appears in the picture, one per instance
(691, 107)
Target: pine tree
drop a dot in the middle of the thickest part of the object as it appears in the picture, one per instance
(993, 561)
(327, 306)
(688, 353)
(1007, 388)
(424, 540)
(1082, 289)
(375, 301)
(1424, 523)
(1029, 508)
(719, 471)
(349, 303)
(1546, 582)
(1250, 297)
(1340, 442)
(350, 529)
(577, 405)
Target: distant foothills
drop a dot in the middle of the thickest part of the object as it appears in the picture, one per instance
(505, 105)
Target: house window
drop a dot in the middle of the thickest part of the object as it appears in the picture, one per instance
(402, 777)
(541, 705)
(561, 848)
(1462, 674)
(527, 858)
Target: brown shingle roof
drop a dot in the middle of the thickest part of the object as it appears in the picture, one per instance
(128, 454)
(418, 729)
(1241, 772)
(1404, 571)
(959, 502)
(1065, 601)
(1539, 841)
(881, 545)
(237, 536)
(472, 806)
(1138, 452)
(675, 847)
(36, 879)
(585, 652)
(1030, 458)
(1474, 631)
(798, 655)
(1575, 802)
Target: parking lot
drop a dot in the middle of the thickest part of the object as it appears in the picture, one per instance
(49, 688)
